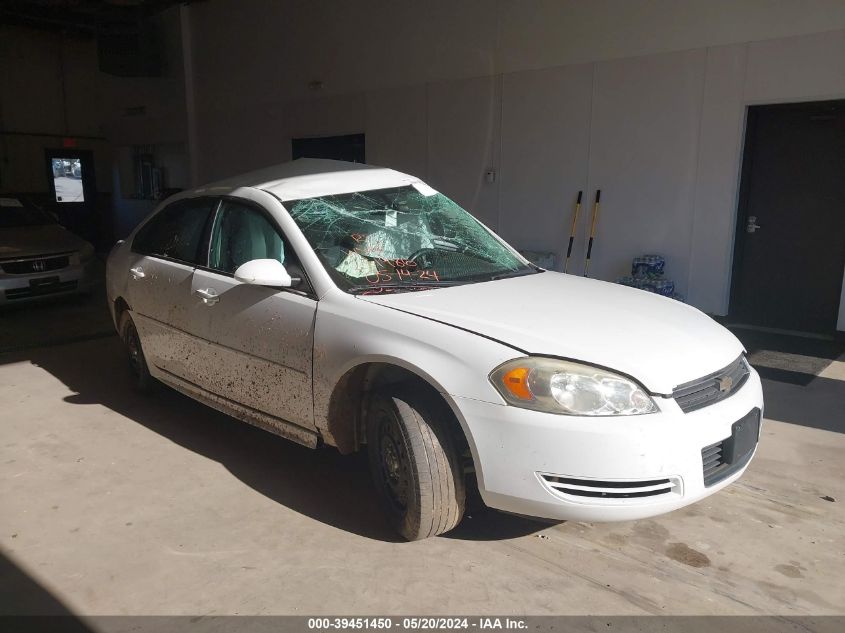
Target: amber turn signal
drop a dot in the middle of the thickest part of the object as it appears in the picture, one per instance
(516, 381)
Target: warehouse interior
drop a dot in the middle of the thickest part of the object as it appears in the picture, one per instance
(512, 113)
(715, 132)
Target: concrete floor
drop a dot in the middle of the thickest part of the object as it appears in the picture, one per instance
(112, 503)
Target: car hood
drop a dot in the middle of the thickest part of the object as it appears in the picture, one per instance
(27, 241)
(658, 341)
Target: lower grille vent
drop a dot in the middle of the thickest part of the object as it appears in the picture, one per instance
(711, 456)
(610, 489)
(724, 458)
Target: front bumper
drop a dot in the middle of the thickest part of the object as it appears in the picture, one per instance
(15, 289)
(521, 457)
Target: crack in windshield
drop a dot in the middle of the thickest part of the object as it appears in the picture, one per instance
(402, 238)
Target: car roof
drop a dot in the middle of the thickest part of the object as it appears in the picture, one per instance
(312, 177)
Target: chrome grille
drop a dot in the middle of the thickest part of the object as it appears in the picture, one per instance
(32, 265)
(712, 388)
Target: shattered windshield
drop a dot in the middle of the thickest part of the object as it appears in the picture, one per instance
(402, 238)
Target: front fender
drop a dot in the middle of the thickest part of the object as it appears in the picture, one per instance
(350, 332)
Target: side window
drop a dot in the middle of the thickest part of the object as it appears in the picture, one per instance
(176, 231)
(241, 234)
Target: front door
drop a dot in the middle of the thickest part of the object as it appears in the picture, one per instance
(790, 247)
(257, 341)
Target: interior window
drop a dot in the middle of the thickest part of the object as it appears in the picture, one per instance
(176, 231)
(241, 234)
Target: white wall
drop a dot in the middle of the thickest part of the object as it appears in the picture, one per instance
(643, 151)
(162, 98)
(266, 49)
(644, 99)
(538, 33)
(545, 142)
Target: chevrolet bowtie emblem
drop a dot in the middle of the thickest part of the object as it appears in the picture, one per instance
(725, 383)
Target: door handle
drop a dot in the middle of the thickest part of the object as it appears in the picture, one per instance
(752, 225)
(137, 272)
(209, 296)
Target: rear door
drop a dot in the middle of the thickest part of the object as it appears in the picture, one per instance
(256, 341)
(165, 252)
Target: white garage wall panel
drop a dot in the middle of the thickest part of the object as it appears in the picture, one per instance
(463, 133)
(545, 145)
(542, 33)
(643, 156)
(259, 134)
(717, 179)
(227, 151)
(397, 129)
(796, 69)
(274, 48)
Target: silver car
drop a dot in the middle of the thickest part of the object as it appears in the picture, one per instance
(39, 257)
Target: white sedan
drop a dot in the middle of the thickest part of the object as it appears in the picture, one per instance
(349, 305)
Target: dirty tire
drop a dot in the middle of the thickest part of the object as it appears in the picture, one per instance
(142, 379)
(414, 464)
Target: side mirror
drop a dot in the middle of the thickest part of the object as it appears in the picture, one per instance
(264, 272)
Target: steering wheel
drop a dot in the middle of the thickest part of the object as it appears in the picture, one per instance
(420, 256)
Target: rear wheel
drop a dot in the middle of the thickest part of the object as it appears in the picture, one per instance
(414, 463)
(142, 379)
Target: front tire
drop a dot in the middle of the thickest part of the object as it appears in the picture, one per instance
(414, 464)
(142, 380)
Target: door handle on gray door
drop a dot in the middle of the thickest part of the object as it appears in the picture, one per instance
(209, 296)
(137, 272)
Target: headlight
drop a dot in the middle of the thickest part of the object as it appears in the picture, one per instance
(567, 388)
(83, 254)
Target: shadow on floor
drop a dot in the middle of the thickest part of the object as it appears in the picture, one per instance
(792, 389)
(755, 340)
(56, 320)
(322, 484)
(485, 524)
(21, 595)
(820, 404)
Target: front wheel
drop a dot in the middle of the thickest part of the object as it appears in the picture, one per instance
(414, 464)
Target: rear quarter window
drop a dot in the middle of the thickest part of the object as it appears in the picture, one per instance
(177, 231)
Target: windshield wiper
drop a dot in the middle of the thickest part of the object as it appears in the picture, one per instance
(406, 286)
(516, 273)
